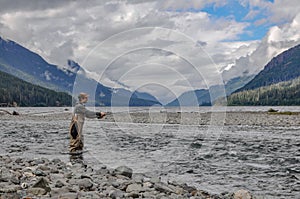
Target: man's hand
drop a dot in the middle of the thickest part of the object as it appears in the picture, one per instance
(100, 115)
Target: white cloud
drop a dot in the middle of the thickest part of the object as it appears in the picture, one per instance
(277, 40)
(61, 30)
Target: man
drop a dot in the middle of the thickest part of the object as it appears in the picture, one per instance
(80, 112)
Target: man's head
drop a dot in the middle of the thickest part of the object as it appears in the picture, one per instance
(83, 97)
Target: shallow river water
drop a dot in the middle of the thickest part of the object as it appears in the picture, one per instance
(264, 159)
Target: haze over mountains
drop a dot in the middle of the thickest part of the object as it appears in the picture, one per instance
(29, 66)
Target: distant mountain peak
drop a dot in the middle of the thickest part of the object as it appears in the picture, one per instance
(73, 66)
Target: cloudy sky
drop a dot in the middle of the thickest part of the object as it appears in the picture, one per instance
(155, 45)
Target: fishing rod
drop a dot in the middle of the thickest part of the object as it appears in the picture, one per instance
(66, 109)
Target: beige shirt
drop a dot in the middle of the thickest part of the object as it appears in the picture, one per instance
(81, 112)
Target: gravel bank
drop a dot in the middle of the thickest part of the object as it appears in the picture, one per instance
(43, 178)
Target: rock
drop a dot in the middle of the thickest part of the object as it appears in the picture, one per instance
(85, 184)
(123, 170)
(85, 176)
(147, 184)
(36, 191)
(39, 172)
(134, 188)
(159, 186)
(55, 192)
(8, 189)
(115, 184)
(28, 174)
(155, 180)
(132, 195)
(189, 189)
(68, 175)
(56, 161)
(114, 194)
(68, 196)
(102, 171)
(54, 170)
(137, 177)
(5, 175)
(59, 184)
(19, 160)
(43, 168)
(42, 183)
(15, 180)
(24, 185)
(89, 195)
(242, 194)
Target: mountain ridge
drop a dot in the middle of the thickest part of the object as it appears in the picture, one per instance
(283, 67)
(277, 84)
(31, 67)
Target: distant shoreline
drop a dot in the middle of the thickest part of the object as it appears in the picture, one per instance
(250, 118)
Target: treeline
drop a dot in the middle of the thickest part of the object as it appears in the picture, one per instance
(14, 90)
(280, 94)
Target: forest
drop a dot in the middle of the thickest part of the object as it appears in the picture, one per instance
(280, 94)
(14, 91)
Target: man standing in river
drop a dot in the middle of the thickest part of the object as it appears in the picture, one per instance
(79, 115)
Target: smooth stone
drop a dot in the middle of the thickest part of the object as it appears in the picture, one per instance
(85, 184)
(123, 170)
(147, 184)
(242, 194)
(68, 196)
(134, 188)
(56, 161)
(59, 184)
(88, 195)
(132, 195)
(137, 177)
(43, 168)
(54, 170)
(68, 175)
(163, 188)
(39, 172)
(155, 180)
(8, 189)
(5, 175)
(114, 194)
(36, 191)
(15, 180)
(85, 176)
(24, 185)
(102, 171)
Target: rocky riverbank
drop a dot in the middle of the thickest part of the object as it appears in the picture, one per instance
(43, 178)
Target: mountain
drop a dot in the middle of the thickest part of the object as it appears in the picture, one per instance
(202, 97)
(29, 66)
(192, 98)
(277, 84)
(274, 85)
(14, 90)
(284, 67)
